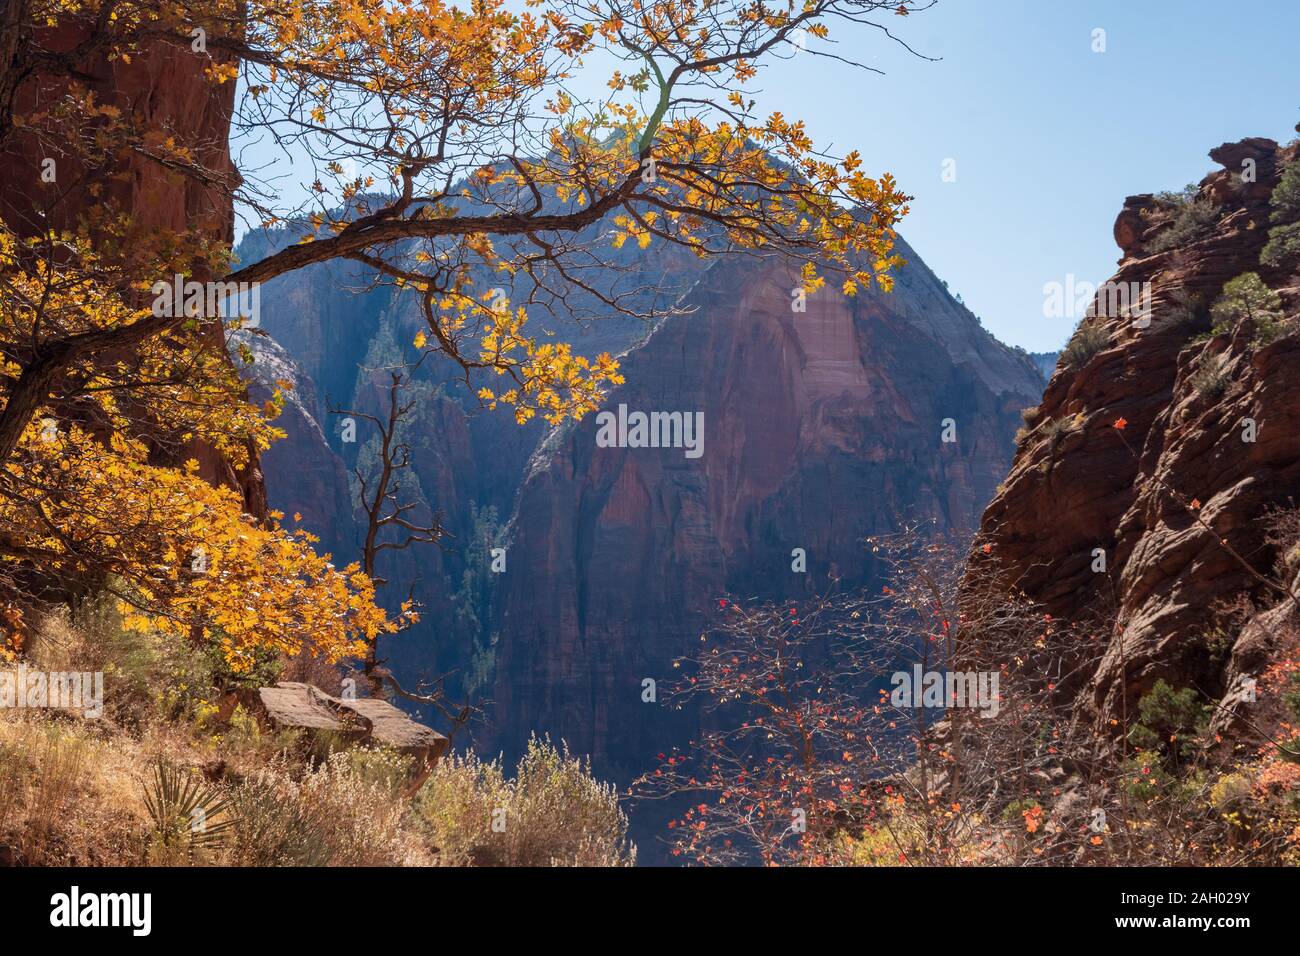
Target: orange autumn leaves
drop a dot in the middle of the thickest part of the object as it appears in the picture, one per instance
(179, 553)
(92, 503)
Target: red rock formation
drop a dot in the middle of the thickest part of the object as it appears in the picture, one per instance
(820, 429)
(1078, 483)
(163, 93)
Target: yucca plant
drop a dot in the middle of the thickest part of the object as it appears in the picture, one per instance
(187, 814)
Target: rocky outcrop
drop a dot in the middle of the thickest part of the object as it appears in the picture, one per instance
(1140, 450)
(819, 428)
(291, 705)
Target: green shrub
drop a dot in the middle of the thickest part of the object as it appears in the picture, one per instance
(1178, 197)
(1211, 379)
(1193, 218)
(1144, 775)
(1086, 342)
(1168, 719)
(1283, 246)
(1014, 811)
(1285, 200)
(1291, 696)
(1247, 297)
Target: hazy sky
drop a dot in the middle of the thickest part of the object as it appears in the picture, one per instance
(1048, 136)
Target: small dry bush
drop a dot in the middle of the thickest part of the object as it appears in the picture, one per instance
(552, 813)
(65, 797)
(77, 791)
(347, 811)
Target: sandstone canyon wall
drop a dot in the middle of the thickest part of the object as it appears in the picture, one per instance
(820, 428)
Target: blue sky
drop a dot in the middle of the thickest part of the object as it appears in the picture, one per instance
(1048, 136)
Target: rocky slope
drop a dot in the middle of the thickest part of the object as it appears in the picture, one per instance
(311, 479)
(1183, 470)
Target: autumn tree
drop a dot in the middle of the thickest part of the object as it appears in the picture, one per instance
(449, 151)
(809, 755)
(790, 736)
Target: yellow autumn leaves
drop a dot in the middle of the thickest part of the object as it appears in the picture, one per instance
(546, 378)
(99, 504)
(179, 553)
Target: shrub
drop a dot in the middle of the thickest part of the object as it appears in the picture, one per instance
(15, 770)
(1193, 217)
(1086, 342)
(145, 674)
(1056, 430)
(1211, 379)
(1286, 195)
(1231, 792)
(1014, 811)
(339, 813)
(44, 769)
(1168, 718)
(1283, 246)
(1291, 696)
(1145, 777)
(190, 819)
(553, 813)
(120, 792)
(1247, 297)
(1178, 197)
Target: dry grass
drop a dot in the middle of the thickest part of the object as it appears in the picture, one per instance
(73, 790)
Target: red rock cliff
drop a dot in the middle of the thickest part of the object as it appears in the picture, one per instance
(163, 93)
(1183, 396)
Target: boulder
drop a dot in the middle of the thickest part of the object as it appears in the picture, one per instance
(362, 720)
